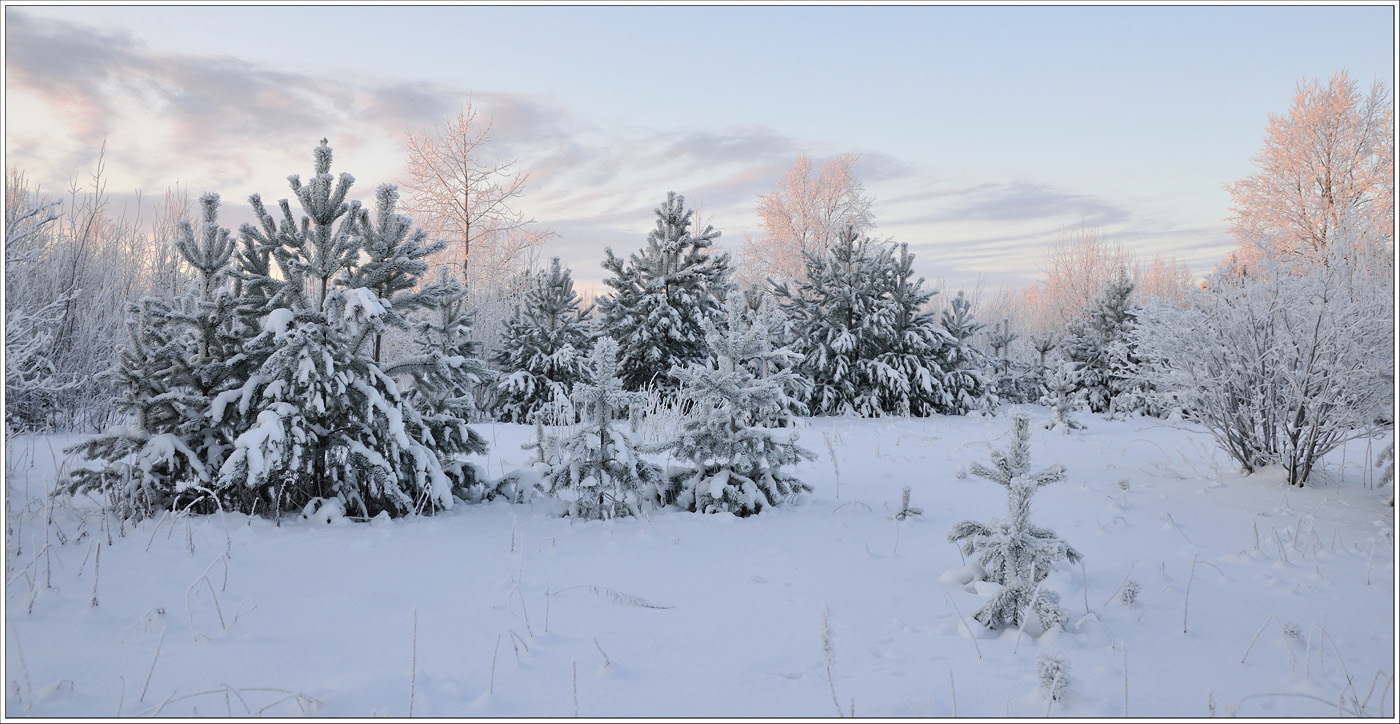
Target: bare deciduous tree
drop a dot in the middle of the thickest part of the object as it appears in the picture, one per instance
(804, 213)
(459, 196)
(1077, 270)
(1330, 157)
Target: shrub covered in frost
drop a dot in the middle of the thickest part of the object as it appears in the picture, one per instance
(1283, 361)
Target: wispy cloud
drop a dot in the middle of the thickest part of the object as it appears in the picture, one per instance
(231, 125)
(1014, 201)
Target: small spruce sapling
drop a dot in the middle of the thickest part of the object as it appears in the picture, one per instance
(600, 463)
(1130, 592)
(904, 510)
(1016, 553)
(661, 293)
(1053, 675)
(549, 339)
(1062, 397)
(736, 456)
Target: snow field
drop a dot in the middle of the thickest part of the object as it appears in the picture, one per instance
(683, 614)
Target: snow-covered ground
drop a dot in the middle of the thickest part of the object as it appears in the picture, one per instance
(711, 615)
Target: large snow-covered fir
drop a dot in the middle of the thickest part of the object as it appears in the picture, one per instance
(991, 400)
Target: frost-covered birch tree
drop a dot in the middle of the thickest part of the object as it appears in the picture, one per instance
(804, 213)
(1329, 161)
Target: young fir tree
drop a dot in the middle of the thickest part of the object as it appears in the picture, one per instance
(1014, 552)
(599, 465)
(736, 456)
(841, 317)
(762, 315)
(1091, 343)
(547, 345)
(322, 421)
(661, 295)
(181, 354)
(390, 270)
(443, 371)
(1000, 339)
(963, 363)
(915, 349)
(1063, 395)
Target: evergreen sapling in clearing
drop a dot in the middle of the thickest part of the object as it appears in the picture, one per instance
(915, 349)
(321, 420)
(963, 363)
(1063, 395)
(661, 295)
(1014, 552)
(735, 454)
(443, 372)
(547, 344)
(181, 355)
(598, 465)
(1099, 345)
(841, 317)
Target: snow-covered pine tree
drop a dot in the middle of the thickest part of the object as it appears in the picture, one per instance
(915, 348)
(662, 294)
(328, 423)
(1043, 346)
(444, 372)
(1011, 380)
(1090, 342)
(599, 465)
(393, 263)
(841, 317)
(444, 369)
(1000, 339)
(735, 454)
(181, 354)
(964, 364)
(1063, 395)
(548, 342)
(762, 315)
(1014, 552)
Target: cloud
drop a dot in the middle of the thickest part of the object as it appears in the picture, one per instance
(874, 166)
(240, 127)
(740, 145)
(1016, 201)
(237, 127)
(223, 114)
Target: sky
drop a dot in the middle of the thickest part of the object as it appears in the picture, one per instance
(984, 133)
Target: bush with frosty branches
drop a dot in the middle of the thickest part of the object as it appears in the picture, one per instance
(1283, 361)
